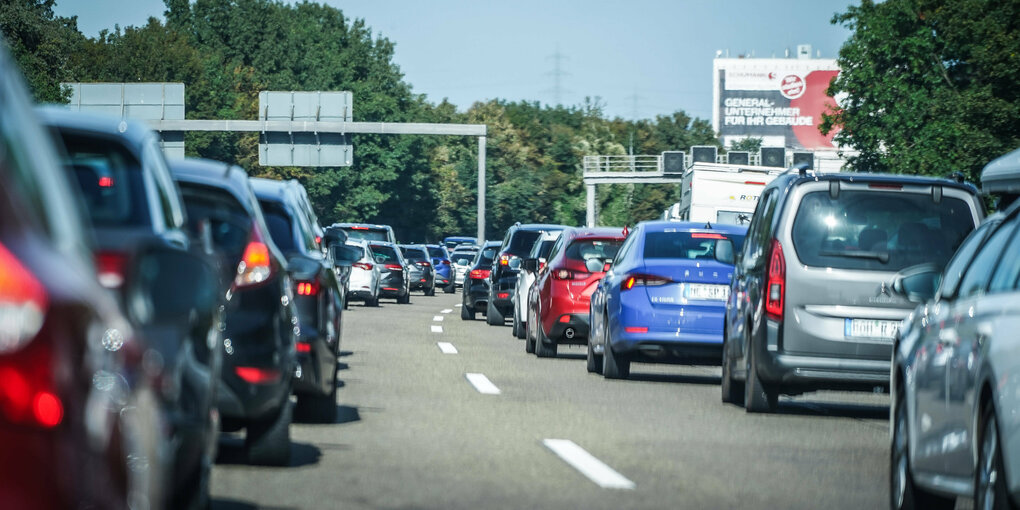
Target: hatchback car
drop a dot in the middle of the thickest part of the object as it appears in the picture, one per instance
(664, 297)
(418, 268)
(540, 252)
(810, 306)
(516, 244)
(475, 293)
(442, 267)
(317, 297)
(558, 301)
(259, 338)
(368, 232)
(460, 262)
(365, 277)
(393, 278)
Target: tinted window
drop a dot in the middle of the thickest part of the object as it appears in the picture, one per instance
(686, 245)
(956, 267)
(437, 252)
(980, 270)
(415, 254)
(368, 234)
(878, 230)
(1005, 278)
(522, 241)
(759, 231)
(169, 201)
(229, 224)
(585, 249)
(487, 254)
(384, 254)
(462, 258)
(280, 227)
(110, 180)
(542, 249)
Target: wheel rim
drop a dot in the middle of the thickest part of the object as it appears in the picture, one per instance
(899, 451)
(989, 473)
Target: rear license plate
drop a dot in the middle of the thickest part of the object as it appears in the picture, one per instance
(870, 328)
(705, 292)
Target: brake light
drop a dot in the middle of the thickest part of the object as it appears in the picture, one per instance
(367, 266)
(479, 274)
(23, 303)
(645, 280)
(255, 266)
(445, 262)
(504, 260)
(359, 228)
(303, 347)
(394, 267)
(424, 264)
(755, 183)
(111, 267)
(503, 295)
(636, 329)
(256, 375)
(706, 235)
(566, 274)
(308, 288)
(318, 239)
(106, 182)
(776, 278)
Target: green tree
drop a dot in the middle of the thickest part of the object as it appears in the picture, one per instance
(748, 144)
(43, 45)
(928, 86)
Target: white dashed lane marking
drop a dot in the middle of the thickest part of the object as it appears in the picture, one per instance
(482, 384)
(437, 329)
(447, 348)
(458, 305)
(448, 310)
(596, 470)
(438, 318)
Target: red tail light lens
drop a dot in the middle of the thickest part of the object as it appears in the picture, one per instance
(47, 409)
(776, 278)
(503, 295)
(504, 260)
(566, 274)
(308, 288)
(644, 280)
(394, 267)
(445, 262)
(111, 267)
(303, 347)
(367, 266)
(256, 375)
(255, 266)
(23, 303)
(636, 329)
(706, 235)
(424, 264)
(479, 274)
(106, 182)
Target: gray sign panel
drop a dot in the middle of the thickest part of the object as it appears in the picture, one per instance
(304, 148)
(141, 101)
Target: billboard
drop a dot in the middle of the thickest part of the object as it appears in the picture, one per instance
(780, 100)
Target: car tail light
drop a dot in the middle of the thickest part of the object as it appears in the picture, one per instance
(479, 274)
(106, 182)
(308, 288)
(111, 267)
(257, 375)
(565, 319)
(303, 347)
(503, 295)
(359, 228)
(394, 267)
(255, 266)
(706, 235)
(776, 278)
(645, 280)
(636, 329)
(567, 274)
(444, 262)
(23, 303)
(367, 266)
(504, 260)
(423, 264)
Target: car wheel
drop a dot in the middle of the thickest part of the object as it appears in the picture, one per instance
(194, 493)
(758, 397)
(903, 494)
(431, 291)
(372, 301)
(614, 366)
(516, 324)
(268, 441)
(594, 360)
(529, 339)
(990, 479)
(492, 315)
(449, 289)
(405, 299)
(318, 408)
(544, 348)
(466, 312)
(732, 390)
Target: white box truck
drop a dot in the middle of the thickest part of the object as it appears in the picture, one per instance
(720, 193)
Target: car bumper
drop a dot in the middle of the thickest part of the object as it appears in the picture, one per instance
(796, 372)
(570, 328)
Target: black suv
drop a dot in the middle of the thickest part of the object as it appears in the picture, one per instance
(811, 304)
(475, 294)
(503, 277)
(317, 297)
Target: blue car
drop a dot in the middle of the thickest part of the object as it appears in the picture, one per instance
(664, 297)
(441, 263)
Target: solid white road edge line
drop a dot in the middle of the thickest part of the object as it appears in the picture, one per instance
(596, 470)
(447, 348)
(482, 384)
(437, 329)
(438, 318)
(446, 310)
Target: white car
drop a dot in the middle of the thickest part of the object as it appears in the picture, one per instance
(460, 261)
(364, 281)
(540, 251)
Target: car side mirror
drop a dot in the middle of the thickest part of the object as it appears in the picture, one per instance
(530, 265)
(917, 283)
(167, 285)
(724, 251)
(302, 268)
(345, 256)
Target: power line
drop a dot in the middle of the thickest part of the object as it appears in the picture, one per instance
(557, 73)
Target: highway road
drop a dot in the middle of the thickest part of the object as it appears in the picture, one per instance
(439, 413)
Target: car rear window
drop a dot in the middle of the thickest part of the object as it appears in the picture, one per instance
(687, 245)
(384, 254)
(280, 227)
(585, 249)
(879, 230)
(110, 179)
(229, 224)
(522, 241)
(437, 252)
(366, 233)
(462, 258)
(487, 254)
(544, 248)
(415, 254)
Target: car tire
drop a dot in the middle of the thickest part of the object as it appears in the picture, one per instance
(431, 291)
(449, 289)
(529, 340)
(594, 360)
(268, 441)
(759, 397)
(492, 315)
(194, 493)
(372, 302)
(313, 408)
(544, 348)
(903, 494)
(990, 489)
(518, 326)
(405, 299)
(732, 390)
(467, 313)
(614, 366)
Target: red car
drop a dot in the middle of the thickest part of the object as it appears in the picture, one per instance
(558, 300)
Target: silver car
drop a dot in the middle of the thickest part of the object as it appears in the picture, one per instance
(810, 305)
(364, 280)
(539, 251)
(461, 261)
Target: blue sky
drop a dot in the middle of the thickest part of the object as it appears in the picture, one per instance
(642, 58)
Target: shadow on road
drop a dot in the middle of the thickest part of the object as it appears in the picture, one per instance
(344, 354)
(230, 504)
(232, 452)
(676, 378)
(834, 409)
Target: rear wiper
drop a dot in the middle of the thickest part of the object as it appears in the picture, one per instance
(881, 256)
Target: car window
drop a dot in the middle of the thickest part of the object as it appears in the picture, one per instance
(542, 248)
(557, 247)
(229, 224)
(109, 179)
(169, 200)
(975, 280)
(384, 254)
(1008, 271)
(280, 226)
(415, 254)
(878, 230)
(759, 230)
(437, 252)
(625, 249)
(461, 258)
(686, 245)
(366, 233)
(586, 249)
(487, 255)
(956, 267)
(522, 241)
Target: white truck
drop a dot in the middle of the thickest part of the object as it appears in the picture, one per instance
(720, 193)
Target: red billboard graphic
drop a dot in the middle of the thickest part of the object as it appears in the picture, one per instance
(814, 102)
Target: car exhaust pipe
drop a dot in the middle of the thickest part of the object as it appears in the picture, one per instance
(569, 333)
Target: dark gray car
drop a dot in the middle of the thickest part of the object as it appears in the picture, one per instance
(810, 305)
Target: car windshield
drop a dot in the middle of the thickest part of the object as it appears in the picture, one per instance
(384, 253)
(366, 233)
(686, 245)
(110, 179)
(879, 230)
(587, 249)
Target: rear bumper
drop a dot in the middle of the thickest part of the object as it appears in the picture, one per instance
(315, 376)
(476, 294)
(571, 328)
(799, 372)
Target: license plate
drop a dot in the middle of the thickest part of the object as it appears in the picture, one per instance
(705, 292)
(870, 328)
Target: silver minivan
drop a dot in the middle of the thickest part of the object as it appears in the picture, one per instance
(811, 305)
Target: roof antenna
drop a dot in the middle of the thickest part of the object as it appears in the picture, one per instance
(708, 224)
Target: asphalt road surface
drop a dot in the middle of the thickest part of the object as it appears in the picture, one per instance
(439, 413)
